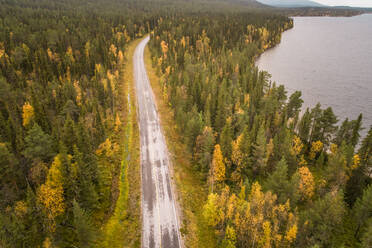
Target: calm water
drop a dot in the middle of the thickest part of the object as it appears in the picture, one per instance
(330, 60)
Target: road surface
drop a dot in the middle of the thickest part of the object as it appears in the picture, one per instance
(159, 216)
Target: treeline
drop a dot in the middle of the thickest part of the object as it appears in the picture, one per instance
(62, 114)
(321, 11)
(276, 178)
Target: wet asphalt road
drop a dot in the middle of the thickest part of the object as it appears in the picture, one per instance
(160, 226)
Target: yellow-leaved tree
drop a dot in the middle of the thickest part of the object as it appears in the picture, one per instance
(217, 170)
(237, 159)
(50, 194)
(265, 240)
(356, 162)
(306, 183)
(210, 209)
(27, 113)
(164, 48)
(316, 147)
(254, 221)
(118, 124)
(297, 146)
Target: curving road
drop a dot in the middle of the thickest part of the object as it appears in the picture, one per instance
(159, 216)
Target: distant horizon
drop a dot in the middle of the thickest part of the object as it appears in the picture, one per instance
(351, 3)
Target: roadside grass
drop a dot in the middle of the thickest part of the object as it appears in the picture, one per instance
(191, 191)
(123, 229)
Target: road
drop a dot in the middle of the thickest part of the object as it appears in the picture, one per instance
(160, 226)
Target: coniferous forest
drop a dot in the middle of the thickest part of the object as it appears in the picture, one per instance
(276, 176)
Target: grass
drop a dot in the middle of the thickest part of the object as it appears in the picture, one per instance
(123, 229)
(191, 191)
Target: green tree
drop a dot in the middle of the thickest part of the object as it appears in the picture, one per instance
(69, 137)
(193, 128)
(315, 131)
(362, 211)
(337, 171)
(278, 182)
(365, 151)
(327, 126)
(294, 104)
(226, 139)
(343, 132)
(38, 144)
(357, 127)
(367, 236)
(86, 193)
(320, 222)
(9, 176)
(83, 227)
(304, 126)
(204, 149)
(259, 151)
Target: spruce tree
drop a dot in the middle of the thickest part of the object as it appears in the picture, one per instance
(278, 182)
(83, 227)
(38, 144)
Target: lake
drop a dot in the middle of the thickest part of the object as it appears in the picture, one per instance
(329, 59)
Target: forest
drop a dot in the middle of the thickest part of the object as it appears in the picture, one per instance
(276, 176)
(62, 117)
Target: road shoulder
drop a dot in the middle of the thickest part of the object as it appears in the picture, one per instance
(189, 190)
(123, 229)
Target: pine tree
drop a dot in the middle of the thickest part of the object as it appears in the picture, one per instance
(315, 131)
(319, 223)
(33, 219)
(246, 146)
(194, 127)
(204, 149)
(69, 136)
(337, 171)
(83, 227)
(38, 144)
(305, 126)
(9, 176)
(362, 211)
(278, 182)
(87, 196)
(367, 236)
(294, 104)
(328, 125)
(343, 133)
(226, 139)
(365, 152)
(355, 185)
(221, 108)
(259, 151)
(357, 127)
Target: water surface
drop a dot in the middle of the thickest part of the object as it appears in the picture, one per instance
(330, 60)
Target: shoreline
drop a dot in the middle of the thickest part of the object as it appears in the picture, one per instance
(341, 116)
